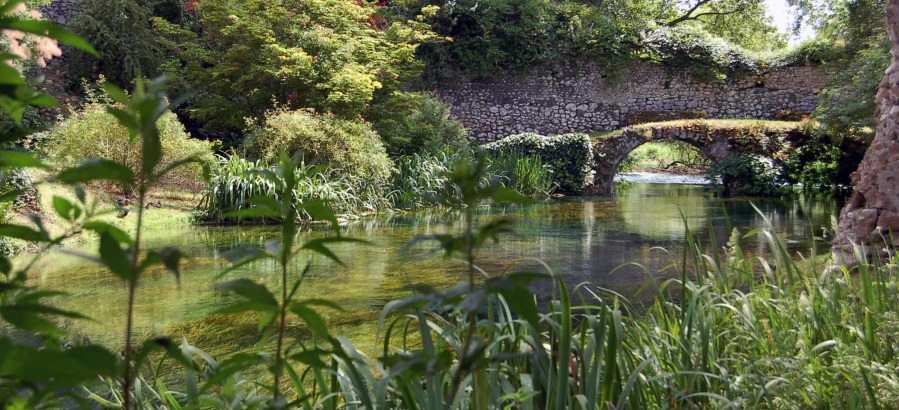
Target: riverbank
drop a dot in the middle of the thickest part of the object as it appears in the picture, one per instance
(175, 210)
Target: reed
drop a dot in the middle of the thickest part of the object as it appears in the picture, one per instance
(235, 180)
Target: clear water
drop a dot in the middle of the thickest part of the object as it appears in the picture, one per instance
(615, 242)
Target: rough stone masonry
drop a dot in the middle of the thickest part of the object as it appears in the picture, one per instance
(871, 216)
(581, 97)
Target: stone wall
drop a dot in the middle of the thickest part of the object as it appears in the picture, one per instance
(62, 11)
(582, 98)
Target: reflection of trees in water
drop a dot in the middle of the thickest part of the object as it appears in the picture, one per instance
(659, 211)
(584, 239)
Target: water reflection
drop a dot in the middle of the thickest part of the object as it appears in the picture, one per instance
(614, 242)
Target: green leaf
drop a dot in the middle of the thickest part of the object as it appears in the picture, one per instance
(5, 265)
(9, 75)
(242, 253)
(56, 369)
(515, 290)
(318, 245)
(312, 319)
(125, 119)
(103, 227)
(30, 320)
(23, 233)
(320, 210)
(11, 195)
(63, 207)
(11, 159)
(252, 291)
(97, 170)
(171, 259)
(233, 365)
(114, 257)
(49, 29)
(510, 195)
(118, 95)
(151, 150)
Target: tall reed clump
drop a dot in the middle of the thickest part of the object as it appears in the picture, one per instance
(421, 177)
(524, 173)
(234, 180)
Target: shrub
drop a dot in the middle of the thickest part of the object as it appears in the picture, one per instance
(746, 175)
(526, 174)
(424, 123)
(349, 147)
(569, 157)
(828, 157)
(95, 133)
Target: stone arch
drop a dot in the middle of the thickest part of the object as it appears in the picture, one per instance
(715, 139)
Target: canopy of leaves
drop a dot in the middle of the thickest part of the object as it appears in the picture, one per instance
(857, 31)
(328, 55)
(491, 35)
(348, 147)
(120, 31)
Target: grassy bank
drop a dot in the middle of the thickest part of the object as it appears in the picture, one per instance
(177, 209)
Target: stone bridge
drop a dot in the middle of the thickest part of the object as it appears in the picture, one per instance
(716, 139)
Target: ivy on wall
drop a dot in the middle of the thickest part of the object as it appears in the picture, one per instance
(569, 156)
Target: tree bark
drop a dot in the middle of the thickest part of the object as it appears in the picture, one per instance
(869, 223)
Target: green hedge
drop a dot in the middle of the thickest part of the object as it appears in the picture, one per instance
(569, 156)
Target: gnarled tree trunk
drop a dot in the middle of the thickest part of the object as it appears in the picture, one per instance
(871, 217)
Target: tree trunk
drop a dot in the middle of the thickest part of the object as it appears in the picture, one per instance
(869, 223)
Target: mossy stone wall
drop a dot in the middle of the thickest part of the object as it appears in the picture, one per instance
(583, 98)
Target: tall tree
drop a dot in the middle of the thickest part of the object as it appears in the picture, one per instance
(742, 22)
(329, 55)
(120, 31)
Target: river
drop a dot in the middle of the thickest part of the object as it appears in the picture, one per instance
(616, 242)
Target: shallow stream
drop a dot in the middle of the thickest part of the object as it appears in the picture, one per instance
(614, 242)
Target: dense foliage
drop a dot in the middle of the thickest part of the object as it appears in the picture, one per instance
(856, 33)
(93, 132)
(727, 330)
(419, 178)
(746, 175)
(569, 157)
(349, 147)
(828, 157)
(422, 123)
(120, 31)
(234, 183)
(320, 54)
(489, 36)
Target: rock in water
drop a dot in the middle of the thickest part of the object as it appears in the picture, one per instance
(871, 217)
